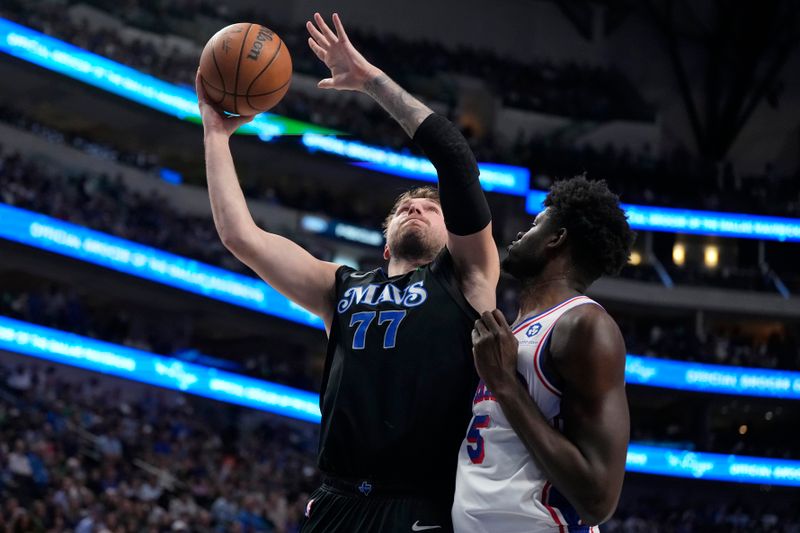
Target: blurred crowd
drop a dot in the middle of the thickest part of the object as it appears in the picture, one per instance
(692, 517)
(83, 453)
(565, 89)
(78, 456)
(675, 179)
(104, 203)
(142, 160)
(281, 190)
(736, 425)
(273, 356)
(269, 355)
(728, 343)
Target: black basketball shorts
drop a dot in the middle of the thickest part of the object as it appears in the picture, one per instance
(363, 508)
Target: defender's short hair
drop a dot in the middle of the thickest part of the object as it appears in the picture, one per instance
(597, 227)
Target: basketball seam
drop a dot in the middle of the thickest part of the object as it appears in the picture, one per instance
(268, 92)
(211, 85)
(263, 70)
(204, 82)
(238, 66)
(243, 95)
(248, 96)
(219, 70)
(226, 93)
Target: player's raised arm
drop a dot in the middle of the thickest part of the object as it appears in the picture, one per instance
(466, 212)
(287, 267)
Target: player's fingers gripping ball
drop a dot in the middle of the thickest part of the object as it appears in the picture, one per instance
(245, 69)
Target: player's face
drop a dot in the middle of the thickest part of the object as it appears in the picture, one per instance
(417, 230)
(527, 252)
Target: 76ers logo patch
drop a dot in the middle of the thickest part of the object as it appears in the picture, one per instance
(533, 330)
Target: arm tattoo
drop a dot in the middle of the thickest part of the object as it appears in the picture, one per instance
(403, 107)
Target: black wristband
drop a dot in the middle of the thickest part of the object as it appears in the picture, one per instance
(464, 205)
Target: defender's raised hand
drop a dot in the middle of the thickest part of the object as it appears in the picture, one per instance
(349, 70)
(495, 350)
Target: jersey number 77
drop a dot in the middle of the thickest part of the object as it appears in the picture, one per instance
(362, 321)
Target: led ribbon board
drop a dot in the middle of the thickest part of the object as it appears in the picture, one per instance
(673, 220)
(128, 257)
(494, 177)
(106, 358)
(181, 102)
(103, 73)
(341, 230)
(136, 365)
(719, 379)
(47, 233)
(712, 466)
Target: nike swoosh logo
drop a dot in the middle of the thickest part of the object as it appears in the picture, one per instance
(417, 527)
(357, 275)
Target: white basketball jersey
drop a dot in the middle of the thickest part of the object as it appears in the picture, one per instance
(499, 487)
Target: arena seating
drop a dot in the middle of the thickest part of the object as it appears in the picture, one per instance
(83, 451)
(86, 457)
(89, 199)
(674, 179)
(92, 453)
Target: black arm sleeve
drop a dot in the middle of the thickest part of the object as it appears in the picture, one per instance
(464, 205)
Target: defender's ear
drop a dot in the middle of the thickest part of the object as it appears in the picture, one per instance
(558, 238)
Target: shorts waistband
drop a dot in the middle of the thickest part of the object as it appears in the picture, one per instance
(368, 488)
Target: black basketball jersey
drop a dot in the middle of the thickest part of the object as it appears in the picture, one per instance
(399, 376)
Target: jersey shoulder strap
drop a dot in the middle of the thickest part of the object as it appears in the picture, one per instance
(444, 271)
(346, 275)
(545, 360)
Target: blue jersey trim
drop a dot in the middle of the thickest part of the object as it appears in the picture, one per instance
(527, 321)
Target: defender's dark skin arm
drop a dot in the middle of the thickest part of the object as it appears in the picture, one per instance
(587, 462)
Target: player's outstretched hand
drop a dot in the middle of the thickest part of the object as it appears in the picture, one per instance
(349, 69)
(494, 348)
(214, 119)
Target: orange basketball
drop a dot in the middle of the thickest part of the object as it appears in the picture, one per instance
(245, 69)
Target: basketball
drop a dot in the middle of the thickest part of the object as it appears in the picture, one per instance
(245, 69)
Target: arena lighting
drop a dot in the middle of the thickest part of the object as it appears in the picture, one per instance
(181, 102)
(717, 379)
(170, 176)
(103, 73)
(136, 365)
(671, 220)
(712, 466)
(679, 254)
(341, 230)
(495, 177)
(168, 372)
(52, 235)
(635, 259)
(135, 259)
(711, 256)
